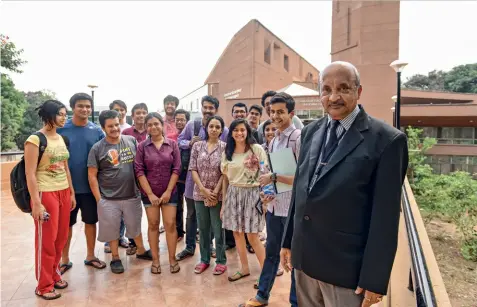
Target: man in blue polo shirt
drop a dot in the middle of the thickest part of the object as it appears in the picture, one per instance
(82, 135)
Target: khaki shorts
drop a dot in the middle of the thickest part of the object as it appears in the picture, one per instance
(109, 216)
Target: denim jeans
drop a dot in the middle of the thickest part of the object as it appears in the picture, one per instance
(209, 220)
(275, 229)
(191, 225)
(122, 229)
(180, 209)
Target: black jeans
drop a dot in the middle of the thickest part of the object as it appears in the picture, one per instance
(180, 209)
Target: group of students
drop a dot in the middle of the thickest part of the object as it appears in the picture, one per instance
(113, 171)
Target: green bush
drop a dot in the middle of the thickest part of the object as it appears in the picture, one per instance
(450, 197)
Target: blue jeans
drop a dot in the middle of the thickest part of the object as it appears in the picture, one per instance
(275, 229)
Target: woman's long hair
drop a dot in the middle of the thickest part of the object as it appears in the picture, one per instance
(249, 141)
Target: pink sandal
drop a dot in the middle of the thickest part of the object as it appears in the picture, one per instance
(201, 267)
(220, 269)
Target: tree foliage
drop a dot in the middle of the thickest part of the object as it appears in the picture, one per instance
(13, 105)
(452, 197)
(462, 79)
(31, 120)
(11, 56)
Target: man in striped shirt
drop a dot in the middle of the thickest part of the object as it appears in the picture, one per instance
(282, 108)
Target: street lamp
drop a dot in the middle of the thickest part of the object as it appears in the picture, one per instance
(394, 98)
(92, 87)
(398, 67)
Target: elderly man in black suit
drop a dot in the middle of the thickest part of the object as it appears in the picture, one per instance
(342, 227)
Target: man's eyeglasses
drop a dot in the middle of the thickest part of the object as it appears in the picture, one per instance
(239, 112)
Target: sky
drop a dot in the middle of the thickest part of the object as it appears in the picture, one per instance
(143, 51)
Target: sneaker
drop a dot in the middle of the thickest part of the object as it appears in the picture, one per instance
(161, 229)
(116, 266)
(124, 243)
(184, 254)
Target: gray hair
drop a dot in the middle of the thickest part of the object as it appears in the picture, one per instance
(348, 65)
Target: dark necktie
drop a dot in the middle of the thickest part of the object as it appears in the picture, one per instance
(332, 141)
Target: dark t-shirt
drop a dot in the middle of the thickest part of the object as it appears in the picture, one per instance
(115, 164)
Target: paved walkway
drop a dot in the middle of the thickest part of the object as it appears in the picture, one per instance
(136, 287)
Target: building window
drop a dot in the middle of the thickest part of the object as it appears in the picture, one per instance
(285, 62)
(267, 53)
(309, 77)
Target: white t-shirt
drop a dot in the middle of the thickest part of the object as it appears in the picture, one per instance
(124, 126)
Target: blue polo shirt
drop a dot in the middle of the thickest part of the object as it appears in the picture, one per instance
(81, 138)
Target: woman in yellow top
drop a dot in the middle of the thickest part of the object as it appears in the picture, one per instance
(52, 198)
(241, 168)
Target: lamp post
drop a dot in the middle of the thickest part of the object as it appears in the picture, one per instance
(398, 67)
(92, 87)
(394, 98)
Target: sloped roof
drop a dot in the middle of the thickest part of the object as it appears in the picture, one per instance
(298, 90)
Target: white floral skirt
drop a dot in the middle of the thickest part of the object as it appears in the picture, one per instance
(240, 212)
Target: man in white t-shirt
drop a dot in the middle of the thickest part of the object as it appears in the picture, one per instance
(120, 107)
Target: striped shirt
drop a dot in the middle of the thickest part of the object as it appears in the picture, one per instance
(343, 127)
(280, 204)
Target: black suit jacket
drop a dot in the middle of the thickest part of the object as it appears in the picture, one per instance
(344, 231)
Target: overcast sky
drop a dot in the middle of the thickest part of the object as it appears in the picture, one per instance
(143, 51)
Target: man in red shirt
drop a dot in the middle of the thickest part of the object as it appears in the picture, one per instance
(170, 106)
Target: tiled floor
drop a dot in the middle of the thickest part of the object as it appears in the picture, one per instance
(136, 287)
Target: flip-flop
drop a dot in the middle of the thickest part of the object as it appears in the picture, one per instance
(65, 267)
(49, 298)
(92, 262)
(58, 286)
(240, 276)
(253, 304)
(147, 255)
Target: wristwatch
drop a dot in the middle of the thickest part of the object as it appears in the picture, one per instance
(273, 177)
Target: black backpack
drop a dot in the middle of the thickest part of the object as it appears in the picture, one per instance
(18, 182)
(185, 153)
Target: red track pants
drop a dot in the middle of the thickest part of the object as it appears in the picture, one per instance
(51, 237)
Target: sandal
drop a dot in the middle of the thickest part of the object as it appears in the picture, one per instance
(47, 297)
(123, 243)
(65, 267)
(147, 255)
(220, 269)
(201, 267)
(155, 269)
(213, 253)
(175, 268)
(107, 248)
(255, 285)
(95, 263)
(132, 249)
(62, 284)
(250, 249)
(237, 275)
(280, 271)
(253, 304)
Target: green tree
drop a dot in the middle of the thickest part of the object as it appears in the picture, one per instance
(12, 101)
(13, 106)
(450, 197)
(11, 56)
(31, 120)
(462, 79)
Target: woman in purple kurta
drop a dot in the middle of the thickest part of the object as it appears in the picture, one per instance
(157, 166)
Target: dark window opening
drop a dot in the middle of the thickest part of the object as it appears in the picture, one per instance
(285, 62)
(267, 53)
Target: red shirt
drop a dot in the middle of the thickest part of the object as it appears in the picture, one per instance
(170, 129)
(139, 136)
